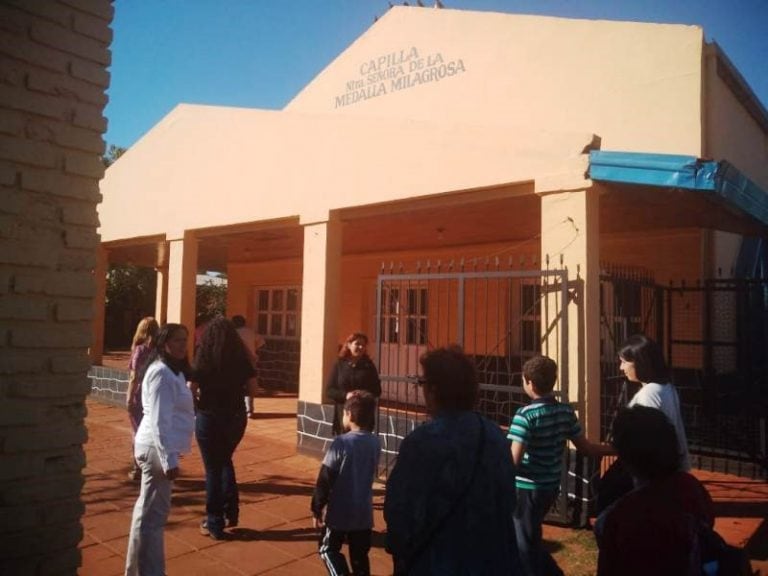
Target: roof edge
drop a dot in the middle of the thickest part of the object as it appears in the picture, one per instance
(719, 178)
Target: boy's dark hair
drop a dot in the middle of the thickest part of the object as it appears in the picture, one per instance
(646, 440)
(647, 357)
(542, 372)
(450, 376)
(238, 320)
(361, 406)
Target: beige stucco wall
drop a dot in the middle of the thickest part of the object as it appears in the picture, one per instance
(271, 165)
(242, 277)
(358, 278)
(731, 132)
(671, 255)
(637, 85)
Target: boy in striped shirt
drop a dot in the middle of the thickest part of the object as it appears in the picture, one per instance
(538, 433)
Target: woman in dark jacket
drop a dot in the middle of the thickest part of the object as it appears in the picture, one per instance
(222, 375)
(354, 370)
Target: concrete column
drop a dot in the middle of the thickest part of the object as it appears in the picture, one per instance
(161, 291)
(182, 276)
(319, 306)
(161, 295)
(96, 351)
(570, 233)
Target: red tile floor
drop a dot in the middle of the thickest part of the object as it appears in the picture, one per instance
(275, 536)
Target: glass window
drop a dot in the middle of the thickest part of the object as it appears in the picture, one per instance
(412, 315)
(292, 301)
(276, 327)
(291, 325)
(277, 299)
(263, 300)
(278, 312)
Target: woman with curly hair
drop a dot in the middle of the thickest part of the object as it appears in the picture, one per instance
(354, 370)
(222, 374)
(141, 349)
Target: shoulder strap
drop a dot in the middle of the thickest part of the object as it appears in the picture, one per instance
(421, 546)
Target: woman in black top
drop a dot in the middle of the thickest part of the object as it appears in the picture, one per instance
(222, 375)
(354, 370)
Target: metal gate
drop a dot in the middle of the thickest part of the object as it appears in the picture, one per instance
(500, 317)
(715, 336)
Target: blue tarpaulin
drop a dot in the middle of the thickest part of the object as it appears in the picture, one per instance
(720, 179)
(687, 172)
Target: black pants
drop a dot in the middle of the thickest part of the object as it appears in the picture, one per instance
(329, 548)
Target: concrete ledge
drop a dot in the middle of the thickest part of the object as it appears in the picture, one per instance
(314, 425)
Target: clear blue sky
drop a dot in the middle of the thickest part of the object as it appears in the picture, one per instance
(260, 53)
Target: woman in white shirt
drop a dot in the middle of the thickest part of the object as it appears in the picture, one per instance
(642, 361)
(164, 434)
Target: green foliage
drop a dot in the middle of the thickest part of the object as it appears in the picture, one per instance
(211, 299)
(112, 154)
(130, 296)
(131, 293)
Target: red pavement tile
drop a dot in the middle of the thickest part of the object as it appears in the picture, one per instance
(188, 533)
(100, 561)
(297, 538)
(275, 535)
(250, 556)
(737, 531)
(107, 526)
(256, 518)
(173, 546)
(381, 563)
(100, 507)
(299, 568)
(289, 508)
(87, 540)
(199, 564)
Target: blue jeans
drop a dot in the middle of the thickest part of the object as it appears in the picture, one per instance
(532, 507)
(217, 437)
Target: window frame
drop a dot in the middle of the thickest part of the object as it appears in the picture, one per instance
(277, 311)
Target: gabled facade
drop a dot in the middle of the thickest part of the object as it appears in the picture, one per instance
(452, 137)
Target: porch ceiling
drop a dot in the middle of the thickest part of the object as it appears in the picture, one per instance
(633, 208)
(663, 190)
(415, 225)
(140, 254)
(492, 221)
(393, 228)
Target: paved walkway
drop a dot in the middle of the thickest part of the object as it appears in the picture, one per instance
(275, 536)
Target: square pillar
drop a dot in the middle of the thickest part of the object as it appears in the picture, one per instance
(96, 350)
(570, 236)
(181, 282)
(161, 295)
(161, 290)
(319, 306)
